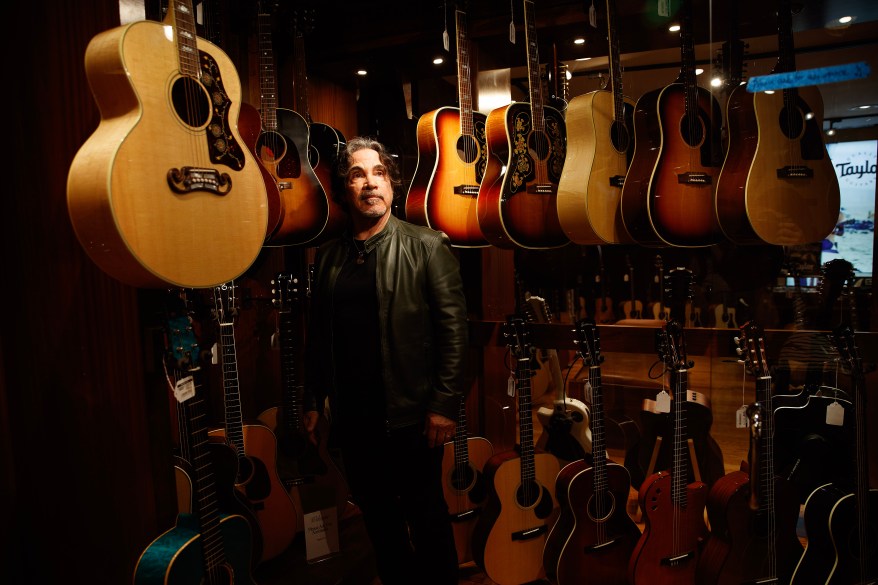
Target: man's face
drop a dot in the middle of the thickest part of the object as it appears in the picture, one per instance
(369, 190)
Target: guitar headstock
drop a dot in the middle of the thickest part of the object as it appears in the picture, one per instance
(286, 291)
(182, 341)
(671, 346)
(678, 290)
(842, 338)
(588, 342)
(751, 348)
(225, 303)
(518, 337)
(536, 310)
(836, 284)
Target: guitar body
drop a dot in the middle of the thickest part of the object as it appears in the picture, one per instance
(681, 192)
(668, 550)
(853, 564)
(303, 466)
(595, 550)
(636, 210)
(258, 481)
(466, 491)
(731, 201)
(250, 127)
(566, 433)
(727, 499)
(151, 173)
(509, 537)
(517, 198)
(175, 557)
(799, 209)
(446, 183)
(324, 145)
(305, 202)
(590, 187)
(819, 558)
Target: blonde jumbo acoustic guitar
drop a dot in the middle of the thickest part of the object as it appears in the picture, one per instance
(165, 190)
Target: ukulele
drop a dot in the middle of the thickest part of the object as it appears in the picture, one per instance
(672, 201)
(753, 518)
(452, 154)
(791, 194)
(600, 144)
(527, 144)
(509, 536)
(305, 469)
(464, 483)
(593, 538)
(166, 160)
(283, 149)
(254, 444)
(211, 542)
(673, 507)
(633, 307)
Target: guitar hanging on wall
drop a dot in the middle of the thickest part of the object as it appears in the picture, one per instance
(452, 154)
(600, 144)
(527, 145)
(166, 169)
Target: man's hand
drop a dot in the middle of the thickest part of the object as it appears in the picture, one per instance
(439, 429)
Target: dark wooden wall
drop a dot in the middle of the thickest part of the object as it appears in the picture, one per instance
(82, 442)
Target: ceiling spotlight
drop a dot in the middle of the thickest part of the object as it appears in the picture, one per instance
(809, 116)
(674, 28)
(716, 82)
(438, 61)
(699, 71)
(831, 131)
(579, 41)
(845, 19)
(362, 72)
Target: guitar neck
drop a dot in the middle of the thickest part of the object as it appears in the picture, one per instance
(464, 76)
(292, 390)
(234, 420)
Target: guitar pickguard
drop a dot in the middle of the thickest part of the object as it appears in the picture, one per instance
(221, 143)
(527, 144)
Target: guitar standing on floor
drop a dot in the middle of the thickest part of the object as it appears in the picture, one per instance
(306, 469)
(509, 537)
(633, 307)
(254, 444)
(593, 538)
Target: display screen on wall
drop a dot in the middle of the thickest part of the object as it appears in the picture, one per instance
(854, 235)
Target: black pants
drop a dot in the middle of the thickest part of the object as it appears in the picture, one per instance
(396, 480)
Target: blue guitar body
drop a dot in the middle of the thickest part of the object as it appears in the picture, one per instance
(176, 557)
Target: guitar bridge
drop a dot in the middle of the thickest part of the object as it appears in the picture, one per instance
(542, 189)
(529, 533)
(469, 190)
(617, 181)
(795, 172)
(188, 179)
(694, 179)
(674, 561)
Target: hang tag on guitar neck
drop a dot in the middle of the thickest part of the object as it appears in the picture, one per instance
(741, 420)
(592, 18)
(588, 393)
(835, 414)
(663, 402)
(510, 386)
(184, 389)
(663, 9)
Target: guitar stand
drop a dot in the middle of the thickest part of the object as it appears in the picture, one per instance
(634, 509)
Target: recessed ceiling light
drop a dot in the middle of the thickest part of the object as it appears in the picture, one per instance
(716, 82)
(438, 61)
(361, 72)
(699, 71)
(674, 28)
(579, 41)
(845, 19)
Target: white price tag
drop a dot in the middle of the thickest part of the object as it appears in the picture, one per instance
(835, 414)
(663, 402)
(512, 32)
(588, 393)
(741, 420)
(445, 40)
(214, 355)
(510, 386)
(184, 389)
(663, 9)
(592, 18)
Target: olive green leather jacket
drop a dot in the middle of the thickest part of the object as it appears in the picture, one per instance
(423, 321)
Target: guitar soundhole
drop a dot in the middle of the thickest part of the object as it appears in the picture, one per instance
(222, 575)
(792, 123)
(468, 149)
(538, 144)
(692, 130)
(462, 478)
(601, 508)
(620, 137)
(271, 147)
(191, 102)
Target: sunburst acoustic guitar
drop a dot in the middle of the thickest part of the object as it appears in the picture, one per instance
(452, 154)
(527, 145)
(166, 170)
